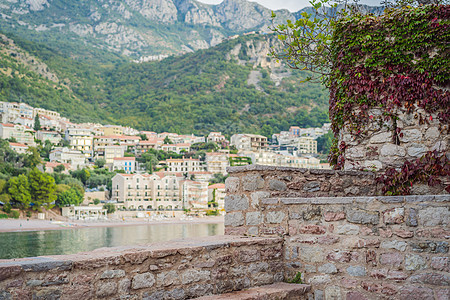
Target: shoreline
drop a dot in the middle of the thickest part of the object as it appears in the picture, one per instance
(22, 225)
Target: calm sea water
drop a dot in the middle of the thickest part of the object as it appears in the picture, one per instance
(68, 241)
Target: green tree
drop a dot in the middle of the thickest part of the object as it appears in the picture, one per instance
(45, 150)
(100, 162)
(110, 208)
(37, 123)
(167, 141)
(59, 168)
(19, 189)
(83, 175)
(42, 188)
(324, 143)
(69, 196)
(32, 158)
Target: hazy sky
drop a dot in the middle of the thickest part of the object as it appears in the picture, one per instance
(292, 5)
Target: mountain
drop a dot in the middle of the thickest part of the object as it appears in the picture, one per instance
(133, 28)
(232, 87)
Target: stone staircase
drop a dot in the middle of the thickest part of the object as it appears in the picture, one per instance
(276, 291)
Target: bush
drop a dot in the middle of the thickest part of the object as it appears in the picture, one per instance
(7, 208)
(214, 212)
(96, 201)
(28, 214)
(3, 216)
(14, 214)
(110, 208)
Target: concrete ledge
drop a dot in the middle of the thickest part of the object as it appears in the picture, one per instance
(350, 200)
(250, 168)
(276, 291)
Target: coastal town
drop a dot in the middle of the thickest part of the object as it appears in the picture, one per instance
(148, 172)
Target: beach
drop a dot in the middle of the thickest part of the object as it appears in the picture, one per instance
(18, 225)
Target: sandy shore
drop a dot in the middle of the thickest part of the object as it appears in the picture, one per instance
(14, 225)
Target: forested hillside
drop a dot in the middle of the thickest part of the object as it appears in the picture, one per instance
(233, 87)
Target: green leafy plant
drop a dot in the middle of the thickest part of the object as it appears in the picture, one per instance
(297, 279)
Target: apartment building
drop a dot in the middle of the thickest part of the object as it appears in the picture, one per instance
(195, 193)
(307, 145)
(22, 133)
(268, 158)
(112, 130)
(101, 142)
(10, 111)
(144, 146)
(215, 137)
(48, 113)
(128, 164)
(80, 139)
(112, 152)
(75, 158)
(216, 193)
(24, 121)
(249, 142)
(49, 123)
(157, 191)
(183, 165)
(217, 162)
(18, 147)
(177, 148)
(52, 136)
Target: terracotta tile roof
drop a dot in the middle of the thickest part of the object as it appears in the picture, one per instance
(217, 186)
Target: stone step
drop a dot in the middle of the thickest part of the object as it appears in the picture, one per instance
(276, 291)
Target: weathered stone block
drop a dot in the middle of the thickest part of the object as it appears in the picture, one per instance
(167, 278)
(356, 271)
(414, 262)
(398, 245)
(193, 275)
(416, 150)
(144, 280)
(106, 289)
(312, 229)
(331, 216)
(393, 259)
(257, 196)
(253, 218)
(355, 296)
(403, 233)
(109, 274)
(381, 138)
(343, 256)
(232, 184)
(275, 217)
(333, 293)
(392, 150)
(440, 264)
(415, 293)
(394, 215)
(236, 203)
(347, 229)
(277, 185)
(311, 254)
(234, 219)
(328, 268)
(361, 216)
(431, 278)
(434, 216)
(252, 182)
(429, 246)
(249, 255)
(312, 186)
(410, 135)
(411, 220)
(319, 279)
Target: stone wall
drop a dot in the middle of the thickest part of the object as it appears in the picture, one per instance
(173, 270)
(376, 150)
(354, 245)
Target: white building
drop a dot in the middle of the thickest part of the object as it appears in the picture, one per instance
(217, 162)
(307, 145)
(196, 194)
(249, 142)
(80, 139)
(23, 134)
(215, 137)
(157, 191)
(52, 136)
(183, 165)
(177, 148)
(76, 159)
(111, 152)
(18, 147)
(10, 111)
(216, 193)
(128, 164)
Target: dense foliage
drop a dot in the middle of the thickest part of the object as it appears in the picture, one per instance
(392, 62)
(194, 93)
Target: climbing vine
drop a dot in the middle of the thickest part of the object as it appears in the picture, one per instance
(396, 62)
(426, 169)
